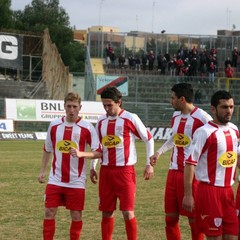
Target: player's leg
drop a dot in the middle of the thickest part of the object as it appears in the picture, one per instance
(126, 191)
(130, 224)
(171, 207)
(107, 225)
(108, 200)
(49, 223)
(52, 201)
(194, 231)
(238, 207)
(76, 225)
(75, 198)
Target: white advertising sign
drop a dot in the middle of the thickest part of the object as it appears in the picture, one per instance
(46, 110)
(6, 125)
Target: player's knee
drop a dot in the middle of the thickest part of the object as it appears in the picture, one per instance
(171, 221)
(50, 213)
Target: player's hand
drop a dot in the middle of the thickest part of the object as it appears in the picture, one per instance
(188, 203)
(75, 153)
(148, 172)
(93, 176)
(154, 158)
(41, 178)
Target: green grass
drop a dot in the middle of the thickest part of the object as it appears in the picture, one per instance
(22, 206)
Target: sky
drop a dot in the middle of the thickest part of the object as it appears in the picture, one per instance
(203, 17)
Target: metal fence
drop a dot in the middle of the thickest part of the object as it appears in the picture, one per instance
(134, 43)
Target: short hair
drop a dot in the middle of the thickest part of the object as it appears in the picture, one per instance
(183, 90)
(112, 93)
(217, 96)
(71, 96)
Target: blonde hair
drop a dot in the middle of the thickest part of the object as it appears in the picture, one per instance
(71, 96)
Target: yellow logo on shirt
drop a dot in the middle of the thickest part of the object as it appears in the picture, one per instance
(228, 159)
(181, 140)
(111, 141)
(64, 146)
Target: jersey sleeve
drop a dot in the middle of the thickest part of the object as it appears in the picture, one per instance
(166, 146)
(195, 149)
(143, 133)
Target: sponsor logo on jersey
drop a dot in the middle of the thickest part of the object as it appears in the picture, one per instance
(181, 140)
(228, 159)
(64, 146)
(111, 141)
(203, 216)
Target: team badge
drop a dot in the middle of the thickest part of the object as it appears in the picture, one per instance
(217, 222)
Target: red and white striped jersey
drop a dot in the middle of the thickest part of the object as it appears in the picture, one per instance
(214, 152)
(118, 134)
(68, 171)
(183, 128)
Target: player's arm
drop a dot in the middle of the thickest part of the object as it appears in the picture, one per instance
(164, 148)
(93, 172)
(188, 201)
(45, 160)
(149, 171)
(238, 161)
(92, 154)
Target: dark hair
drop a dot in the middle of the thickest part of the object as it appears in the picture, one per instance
(183, 90)
(71, 96)
(217, 96)
(112, 93)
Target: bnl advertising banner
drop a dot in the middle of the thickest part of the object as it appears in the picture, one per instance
(47, 110)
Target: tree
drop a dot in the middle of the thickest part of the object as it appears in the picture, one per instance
(6, 14)
(42, 14)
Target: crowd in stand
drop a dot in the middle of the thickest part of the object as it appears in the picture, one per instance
(185, 62)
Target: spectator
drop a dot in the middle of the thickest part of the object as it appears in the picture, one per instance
(163, 66)
(144, 61)
(121, 61)
(108, 51)
(179, 66)
(234, 57)
(138, 63)
(172, 67)
(151, 59)
(112, 59)
(229, 71)
(198, 96)
(211, 72)
(227, 62)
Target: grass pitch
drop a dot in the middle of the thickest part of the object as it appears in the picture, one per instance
(21, 201)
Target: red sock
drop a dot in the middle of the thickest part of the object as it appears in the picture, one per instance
(239, 227)
(48, 229)
(75, 230)
(194, 233)
(172, 228)
(131, 228)
(107, 226)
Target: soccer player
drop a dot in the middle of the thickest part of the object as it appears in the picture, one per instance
(238, 198)
(214, 159)
(67, 140)
(117, 131)
(185, 121)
